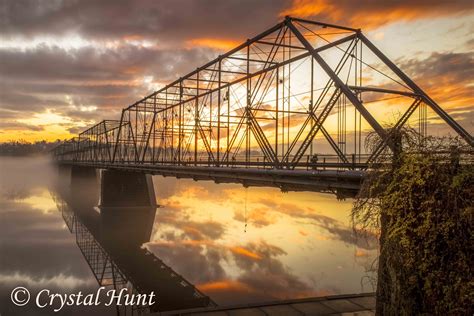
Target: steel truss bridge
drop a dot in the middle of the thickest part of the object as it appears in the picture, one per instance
(291, 107)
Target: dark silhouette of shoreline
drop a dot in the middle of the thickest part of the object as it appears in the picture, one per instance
(24, 148)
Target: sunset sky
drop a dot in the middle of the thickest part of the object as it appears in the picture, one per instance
(65, 65)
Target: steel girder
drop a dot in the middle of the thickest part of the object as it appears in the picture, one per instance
(246, 106)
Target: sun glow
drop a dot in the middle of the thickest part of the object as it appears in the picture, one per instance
(46, 118)
(47, 126)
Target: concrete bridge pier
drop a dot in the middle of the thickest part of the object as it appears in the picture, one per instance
(108, 188)
(126, 189)
(84, 185)
(63, 173)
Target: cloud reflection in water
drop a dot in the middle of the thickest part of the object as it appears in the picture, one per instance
(296, 244)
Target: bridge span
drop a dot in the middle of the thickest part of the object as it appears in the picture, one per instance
(297, 107)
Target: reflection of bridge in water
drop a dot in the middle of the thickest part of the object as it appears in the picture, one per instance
(255, 115)
(111, 213)
(110, 237)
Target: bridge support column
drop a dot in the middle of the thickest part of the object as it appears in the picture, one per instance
(84, 184)
(82, 176)
(63, 175)
(126, 189)
(64, 170)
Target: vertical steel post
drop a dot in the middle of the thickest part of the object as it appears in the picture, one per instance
(219, 113)
(196, 120)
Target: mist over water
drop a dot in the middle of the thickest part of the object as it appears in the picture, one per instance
(235, 245)
(21, 175)
(36, 249)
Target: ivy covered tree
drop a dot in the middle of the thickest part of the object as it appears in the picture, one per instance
(422, 206)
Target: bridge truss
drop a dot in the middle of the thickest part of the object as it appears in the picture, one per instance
(300, 96)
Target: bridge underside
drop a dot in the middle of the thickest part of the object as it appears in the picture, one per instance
(342, 183)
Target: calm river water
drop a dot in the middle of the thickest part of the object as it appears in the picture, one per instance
(235, 245)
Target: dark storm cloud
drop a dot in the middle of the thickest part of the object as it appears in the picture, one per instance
(464, 115)
(457, 67)
(75, 130)
(109, 79)
(15, 125)
(172, 20)
(91, 64)
(14, 97)
(111, 90)
(447, 78)
(166, 20)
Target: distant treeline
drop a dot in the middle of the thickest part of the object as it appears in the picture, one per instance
(24, 148)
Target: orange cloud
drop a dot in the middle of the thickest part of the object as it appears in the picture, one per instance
(303, 233)
(132, 70)
(190, 243)
(322, 237)
(307, 8)
(244, 252)
(224, 285)
(224, 44)
(258, 217)
(360, 253)
(370, 14)
(133, 37)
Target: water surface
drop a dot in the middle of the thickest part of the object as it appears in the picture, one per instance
(235, 245)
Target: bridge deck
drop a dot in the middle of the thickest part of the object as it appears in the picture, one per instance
(353, 304)
(345, 182)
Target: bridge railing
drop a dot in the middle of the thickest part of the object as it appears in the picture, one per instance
(74, 153)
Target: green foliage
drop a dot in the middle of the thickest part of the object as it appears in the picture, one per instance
(424, 206)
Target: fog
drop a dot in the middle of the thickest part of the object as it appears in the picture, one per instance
(37, 251)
